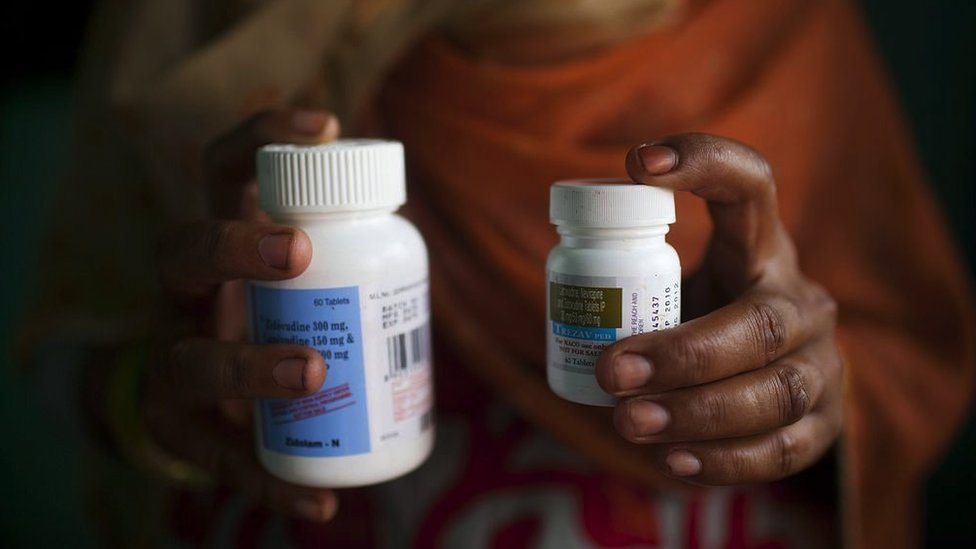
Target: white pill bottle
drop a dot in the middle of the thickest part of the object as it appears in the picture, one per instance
(363, 303)
(612, 275)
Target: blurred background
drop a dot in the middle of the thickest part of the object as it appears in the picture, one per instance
(930, 50)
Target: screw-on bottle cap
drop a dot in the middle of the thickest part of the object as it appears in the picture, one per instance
(609, 204)
(341, 176)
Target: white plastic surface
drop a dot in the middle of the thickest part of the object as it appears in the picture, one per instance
(592, 254)
(371, 251)
(343, 195)
(341, 176)
(609, 203)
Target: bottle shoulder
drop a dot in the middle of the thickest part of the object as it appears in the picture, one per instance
(356, 250)
(616, 261)
(353, 226)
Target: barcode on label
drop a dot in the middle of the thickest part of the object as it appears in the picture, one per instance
(407, 349)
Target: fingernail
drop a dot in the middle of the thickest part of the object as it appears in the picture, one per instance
(273, 250)
(648, 418)
(310, 508)
(657, 159)
(630, 371)
(318, 509)
(311, 122)
(682, 463)
(290, 374)
(331, 129)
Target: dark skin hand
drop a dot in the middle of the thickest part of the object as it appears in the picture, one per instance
(200, 388)
(751, 391)
(747, 393)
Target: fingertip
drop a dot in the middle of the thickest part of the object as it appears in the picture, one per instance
(321, 507)
(651, 160)
(274, 250)
(315, 372)
(657, 159)
(299, 253)
(288, 250)
(331, 505)
(620, 370)
(622, 422)
(291, 374)
(630, 371)
(634, 422)
(648, 417)
(319, 126)
(309, 122)
(635, 170)
(604, 372)
(301, 371)
(682, 463)
(332, 128)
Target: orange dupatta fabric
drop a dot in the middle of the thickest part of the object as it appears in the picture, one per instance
(796, 80)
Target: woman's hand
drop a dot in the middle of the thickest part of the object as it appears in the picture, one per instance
(750, 391)
(199, 388)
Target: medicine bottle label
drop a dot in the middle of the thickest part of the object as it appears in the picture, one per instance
(375, 341)
(589, 313)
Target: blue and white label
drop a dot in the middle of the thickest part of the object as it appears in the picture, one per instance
(335, 420)
(589, 313)
(375, 341)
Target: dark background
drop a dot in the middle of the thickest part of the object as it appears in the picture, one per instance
(930, 50)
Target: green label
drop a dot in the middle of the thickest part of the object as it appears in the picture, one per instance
(585, 306)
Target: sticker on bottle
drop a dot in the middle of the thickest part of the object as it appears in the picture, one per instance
(589, 313)
(376, 345)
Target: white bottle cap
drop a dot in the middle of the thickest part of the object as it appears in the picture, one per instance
(609, 204)
(341, 176)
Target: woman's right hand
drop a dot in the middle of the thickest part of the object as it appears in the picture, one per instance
(201, 383)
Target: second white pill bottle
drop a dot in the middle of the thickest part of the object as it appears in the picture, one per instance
(363, 303)
(612, 276)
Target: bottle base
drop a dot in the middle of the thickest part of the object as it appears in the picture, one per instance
(349, 471)
(589, 394)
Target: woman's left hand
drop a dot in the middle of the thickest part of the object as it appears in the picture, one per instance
(750, 391)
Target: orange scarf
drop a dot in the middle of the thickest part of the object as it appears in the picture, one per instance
(796, 80)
